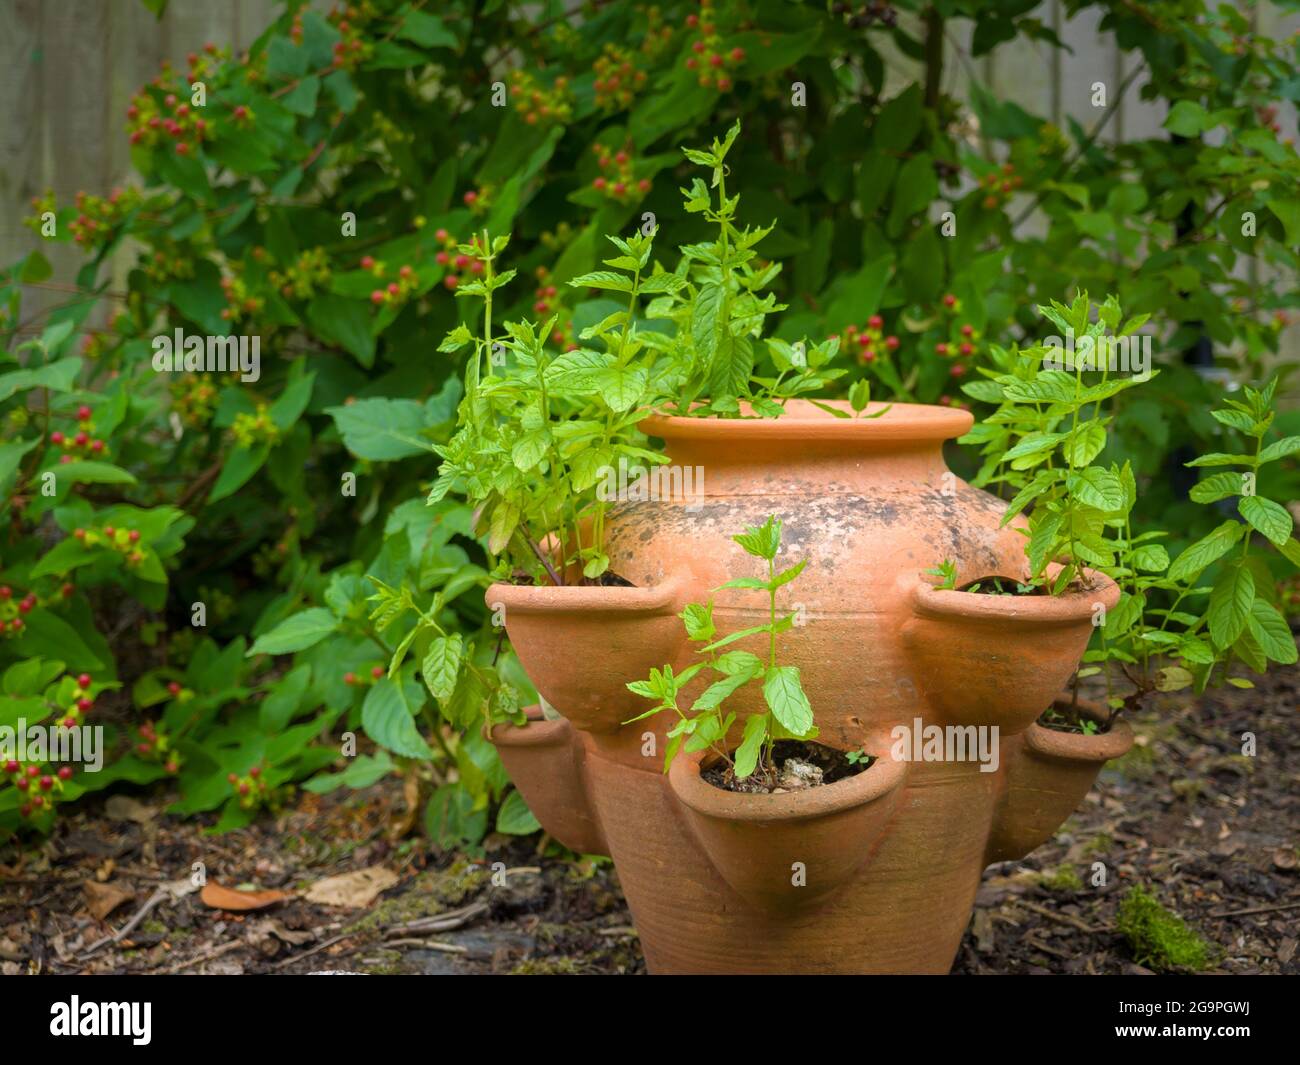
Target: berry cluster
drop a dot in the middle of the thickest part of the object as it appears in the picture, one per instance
(80, 701)
(657, 34)
(96, 215)
(538, 104)
(249, 430)
(126, 542)
(80, 444)
(353, 49)
(364, 681)
(239, 303)
(1000, 186)
(163, 267)
(39, 787)
(399, 291)
(13, 611)
(153, 745)
(617, 78)
(545, 303)
(254, 791)
(201, 66)
(304, 277)
(458, 264)
(962, 337)
(709, 52)
(479, 200)
(616, 181)
(869, 341)
(152, 122)
(194, 399)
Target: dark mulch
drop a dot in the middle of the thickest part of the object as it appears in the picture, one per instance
(1211, 832)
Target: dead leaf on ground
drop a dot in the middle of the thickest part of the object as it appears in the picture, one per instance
(224, 898)
(125, 808)
(1285, 858)
(354, 890)
(103, 899)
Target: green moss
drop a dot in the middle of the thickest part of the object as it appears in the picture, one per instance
(1159, 938)
(1099, 844)
(1063, 878)
(430, 893)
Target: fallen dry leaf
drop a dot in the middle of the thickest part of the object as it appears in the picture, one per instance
(353, 890)
(103, 899)
(1285, 858)
(224, 898)
(125, 808)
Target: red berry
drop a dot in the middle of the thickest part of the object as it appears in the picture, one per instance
(134, 536)
(737, 54)
(967, 330)
(450, 281)
(173, 687)
(966, 348)
(957, 369)
(143, 748)
(56, 437)
(65, 772)
(405, 271)
(441, 234)
(241, 112)
(376, 671)
(80, 439)
(109, 530)
(367, 262)
(697, 47)
(84, 704)
(715, 60)
(875, 321)
(941, 349)
(377, 296)
(67, 590)
(349, 678)
(255, 772)
(891, 342)
(33, 771)
(69, 722)
(949, 300)
(21, 784)
(692, 21)
(5, 591)
(243, 787)
(393, 288)
(442, 258)
(16, 624)
(471, 197)
(599, 184)
(231, 777)
(11, 766)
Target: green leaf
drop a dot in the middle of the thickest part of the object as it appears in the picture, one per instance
(514, 818)
(381, 429)
(239, 468)
(1230, 602)
(86, 472)
(1265, 516)
(441, 665)
(56, 376)
(345, 322)
(284, 699)
(603, 279)
(751, 744)
(388, 720)
(713, 696)
(784, 695)
(1150, 557)
(1210, 548)
(1271, 632)
(1217, 486)
(1187, 118)
(427, 30)
(1085, 444)
(295, 633)
(1095, 487)
(1288, 445)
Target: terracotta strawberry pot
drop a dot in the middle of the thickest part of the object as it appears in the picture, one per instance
(892, 858)
(544, 760)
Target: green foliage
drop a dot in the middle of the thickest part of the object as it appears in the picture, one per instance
(252, 563)
(704, 725)
(1159, 938)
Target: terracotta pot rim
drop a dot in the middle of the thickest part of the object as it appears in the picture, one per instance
(883, 777)
(1077, 747)
(1026, 610)
(661, 598)
(903, 423)
(539, 732)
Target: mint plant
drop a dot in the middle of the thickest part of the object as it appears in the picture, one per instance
(706, 722)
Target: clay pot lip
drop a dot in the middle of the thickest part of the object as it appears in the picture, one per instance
(665, 597)
(803, 420)
(1026, 610)
(883, 777)
(1077, 747)
(539, 732)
